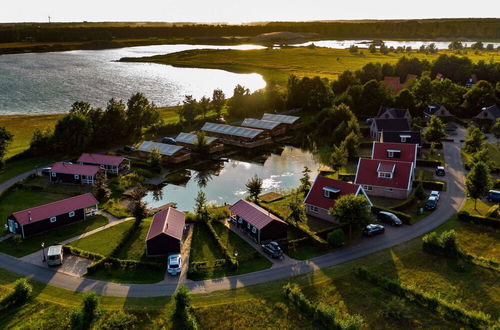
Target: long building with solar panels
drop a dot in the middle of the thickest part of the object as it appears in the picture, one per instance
(272, 128)
(189, 140)
(235, 135)
(170, 153)
(289, 122)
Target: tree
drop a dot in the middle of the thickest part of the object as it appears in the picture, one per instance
(420, 192)
(201, 206)
(236, 105)
(89, 312)
(183, 314)
(405, 99)
(254, 187)
(435, 130)
(204, 106)
(343, 82)
(372, 48)
(5, 139)
(477, 45)
(137, 207)
(73, 133)
(351, 144)
(155, 159)
(478, 182)
(336, 237)
(447, 93)
(99, 188)
(297, 209)
(474, 140)
(352, 210)
(375, 94)
(338, 157)
(201, 143)
(482, 155)
(113, 122)
(481, 95)
(218, 101)
(422, 91)
(495, 129)
(41, 142)
(305, 181)
(189, 110)
(140, 114)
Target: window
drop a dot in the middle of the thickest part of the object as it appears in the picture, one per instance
(16, 225)
(385, 175)
(254, 230)
(53, 174)
(369, 188)
(326, 193)
(403, 139)
(240, 220)
(313, 209)
(248, 225)
(52, 219)
(71, 214)
(390, 189)
(103, 167)
(392, 153)
(77, 177)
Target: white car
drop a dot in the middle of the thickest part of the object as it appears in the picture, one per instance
(174, 264)
(434, 193)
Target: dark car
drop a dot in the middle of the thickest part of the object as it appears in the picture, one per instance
(389, 218)
(373, 229)
(440, 171)
(273, 249)
(493, 196)
(129, 148)
(431, 203)
(168, 140)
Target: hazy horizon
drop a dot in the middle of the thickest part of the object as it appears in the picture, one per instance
(234, 12)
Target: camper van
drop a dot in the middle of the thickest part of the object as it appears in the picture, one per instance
(55, 255)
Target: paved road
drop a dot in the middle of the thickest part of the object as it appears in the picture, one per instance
(451, 201)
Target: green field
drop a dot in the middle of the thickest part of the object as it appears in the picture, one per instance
(277, 64)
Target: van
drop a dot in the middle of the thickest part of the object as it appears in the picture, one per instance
(493, 196)
(55, 255)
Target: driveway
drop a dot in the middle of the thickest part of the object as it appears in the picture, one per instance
(72, 265)
(451, 201)
(185, 250)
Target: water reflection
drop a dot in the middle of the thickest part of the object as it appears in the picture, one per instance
(224, 182)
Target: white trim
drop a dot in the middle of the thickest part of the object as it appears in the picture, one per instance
(373, 148)
(53, 174)
(360, 189)
(53, 219)
(357, 169)
(71, 214)
(312, 187)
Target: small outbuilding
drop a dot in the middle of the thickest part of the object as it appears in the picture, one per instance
(170, 153)
(45, 217)
(109, 163)
(257, 222)
(63, 172)
(165, 233)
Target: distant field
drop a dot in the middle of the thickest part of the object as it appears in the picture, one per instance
(277, 64)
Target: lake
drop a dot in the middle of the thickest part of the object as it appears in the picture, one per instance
(50, 82)
(225, 183)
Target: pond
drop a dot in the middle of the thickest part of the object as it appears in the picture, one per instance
(224, 182)
(51, 82)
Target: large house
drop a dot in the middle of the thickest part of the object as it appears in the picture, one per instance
(435, 109)
(63, 172)
(165, 233)
(45, 217)
(272, 128)
(401, 152)
(380, 125)
(235, 135)
(258, 223)
(385, 178)
(110, 164)
(491, 113)
(323, 194)
(170, 153)
(401, 137)
(189, 140)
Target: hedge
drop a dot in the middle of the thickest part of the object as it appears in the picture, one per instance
(233, 262)
(128, 265)
(431, 185)
(404, 217)
(124, 240)
(476, 219)
(327, 315)
(452, 311)
(428, 163)
(427, 145)
(82, 253)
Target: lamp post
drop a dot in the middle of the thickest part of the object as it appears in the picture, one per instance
(43, 252)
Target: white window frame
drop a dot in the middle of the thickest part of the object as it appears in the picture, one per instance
(71, 214)
(53, 219)
(385, 175)
(326, 193)
(77, 176)
(403, 139)
(390, 154)
(53, 174)
(249, 226)
(254, 230)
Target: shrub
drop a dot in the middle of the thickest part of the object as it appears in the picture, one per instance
(219, 213)
(20, 295)
(183, 315)
(233, 262)
(475, 219)
(445, 244)
(118, 321)
(336, 237)
(89, 312)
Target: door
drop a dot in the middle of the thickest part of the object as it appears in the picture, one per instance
(12, 226)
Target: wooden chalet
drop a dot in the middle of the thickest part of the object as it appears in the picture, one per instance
(170, 153)
(188, 140)
(235, 135)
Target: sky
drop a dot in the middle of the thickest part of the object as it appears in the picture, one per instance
(237, 11)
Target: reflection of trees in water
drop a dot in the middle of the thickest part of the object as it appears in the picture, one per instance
(157, 192)
(204, 174)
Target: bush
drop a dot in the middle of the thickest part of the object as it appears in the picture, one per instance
(336, 237)
(445, 244)
(118, 321)
(219, 213)
(475, 219)
(89, 312)
(233, 262)
(20, 295)
(183, 315)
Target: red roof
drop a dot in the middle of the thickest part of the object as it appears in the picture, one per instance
(253, 214)
(101, 159)
(367, 173)
(67, 168)
(53, 209)
(394, 83)
(316, 195)
(408, 151)
(169, 221)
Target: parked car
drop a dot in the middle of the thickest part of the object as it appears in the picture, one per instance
(440, 171)
(273, 249)
(435, 193)
(46, 171)
(389, 218)
(129, 148)
(373, 229)
(55, 255)
(174, 264)
(168, 140)
(368, 121)
(493, 196)
(431, 203)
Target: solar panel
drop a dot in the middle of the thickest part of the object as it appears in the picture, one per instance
(190, 138)
(280, 118)
(259, 123)
(232, 130)
(165, 149)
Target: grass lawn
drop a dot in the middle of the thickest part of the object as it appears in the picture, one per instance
(54, 236)
(494, 150)
(277, 64)
(482, 206)
(105, 241)
(15, 167)
(135, 247)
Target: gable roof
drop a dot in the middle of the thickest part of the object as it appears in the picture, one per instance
(169, 221)
(232, 130)
(367, 173)
(400, 124)
(55, 208)
(253, 214)
(101, 159)
(190, 138)
(493, 110)
(431, 109)
(285, 119)
(316, 196)
(393, 112)
(165, 149)
(395, 137)
(260, 123)
(75, 169)
(408, 151)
